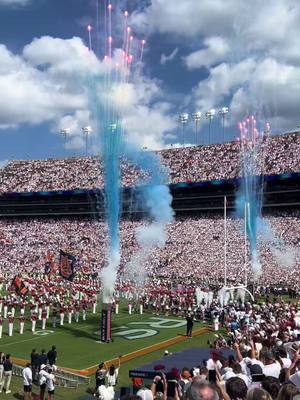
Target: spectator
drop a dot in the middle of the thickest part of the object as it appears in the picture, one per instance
(145, 394)
(2, 359)
(203, 373)
(236, 372)
(100, 376)
(200, 389)
(257, 376)
(43, 358)
(43, 375)
(112, 375)
(214, 362)
(271, 367)
(159, 387)
(271, 385)
(258, 394)
(190, 164)
(7, 365)
(52, 356)
(184, 379)
(137, 383)
(27, 381)
(287, 392)
(236, 388)
(50, 381)
(34, 357)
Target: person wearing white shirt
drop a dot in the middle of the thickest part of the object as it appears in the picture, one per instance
(27, 381)
(214, 362)
(236, 372)
(43, 375)
(286, 361)
(271, 367)
(50, 384)
(112, 375)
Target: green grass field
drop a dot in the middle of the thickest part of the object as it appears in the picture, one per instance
(78, 345)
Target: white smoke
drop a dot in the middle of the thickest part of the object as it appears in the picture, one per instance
(256, 267)
(151, 236)
(109, 276)
(286, 257)
(284, 254)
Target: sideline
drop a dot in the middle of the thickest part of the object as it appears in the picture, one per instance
(127, 357)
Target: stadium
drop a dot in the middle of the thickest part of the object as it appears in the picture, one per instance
(151, 250)
(63, 209)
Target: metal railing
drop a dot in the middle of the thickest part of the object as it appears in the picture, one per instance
(63, 378)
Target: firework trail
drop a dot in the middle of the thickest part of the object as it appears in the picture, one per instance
(108, 95)
(250, 194)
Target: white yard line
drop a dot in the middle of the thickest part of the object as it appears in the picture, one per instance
(22, 341)
(39, 337)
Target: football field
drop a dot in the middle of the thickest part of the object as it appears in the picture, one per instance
(78, 344)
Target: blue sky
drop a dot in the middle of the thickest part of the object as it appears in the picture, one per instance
(199, 55)
(18, 26)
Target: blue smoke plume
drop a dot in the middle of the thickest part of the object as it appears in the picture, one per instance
(157, 201)
(250, 194)
(248, 208)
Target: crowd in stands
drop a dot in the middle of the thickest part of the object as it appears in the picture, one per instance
(269, 373)
(191, 164)
(194, 247)
(263, 363)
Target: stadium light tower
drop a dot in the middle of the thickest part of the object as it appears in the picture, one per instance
(86, 130)
(223, 112)
(210, 115)
(183, 119)
(65, 132)
(196, 118)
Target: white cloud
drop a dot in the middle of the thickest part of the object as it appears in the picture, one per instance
(223, 80)
(265, 87)
(48, 83)
(250, 50)
(61, 57)
(216, 48)
(186, 18)
(273, 91)
(148, 126)
(31, 95)
(166, 58)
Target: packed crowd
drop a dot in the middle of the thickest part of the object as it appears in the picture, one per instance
(281, 154)
(195, 243)
(263, 363)
(265, 372)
